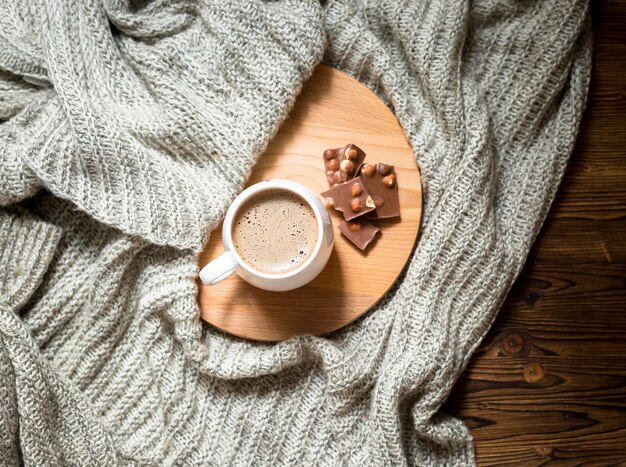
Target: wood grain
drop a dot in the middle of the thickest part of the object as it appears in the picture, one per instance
(332, 110)
(548, 384)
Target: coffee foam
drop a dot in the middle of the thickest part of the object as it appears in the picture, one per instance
(275, 231)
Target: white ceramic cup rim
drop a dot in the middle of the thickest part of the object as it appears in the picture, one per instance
(268, 185)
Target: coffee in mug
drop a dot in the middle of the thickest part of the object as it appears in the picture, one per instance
(277, 236)
(275, 231)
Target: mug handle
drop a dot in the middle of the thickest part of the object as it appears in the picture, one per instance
(219, 269)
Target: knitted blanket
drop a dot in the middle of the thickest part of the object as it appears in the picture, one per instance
(127, 128)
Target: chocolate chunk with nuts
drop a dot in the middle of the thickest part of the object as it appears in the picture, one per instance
(355, 156)
(331, 165)
(351, 198)
(359, 231)
(381, 183)
(342, 164)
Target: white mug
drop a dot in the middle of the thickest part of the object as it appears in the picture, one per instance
(230, 262)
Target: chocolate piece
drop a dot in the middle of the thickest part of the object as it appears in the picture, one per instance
(351, 205)
(352, 153)
(359, 231)
(352, 156)
(381, 183)
(331, 165)
(342, 164)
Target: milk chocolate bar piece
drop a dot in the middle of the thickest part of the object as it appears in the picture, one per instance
(331, 166)
(381, 183)
(356, 156)
(342, 164)
(351, 198)
(359, 231)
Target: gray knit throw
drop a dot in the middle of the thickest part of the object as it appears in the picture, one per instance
(127, 127)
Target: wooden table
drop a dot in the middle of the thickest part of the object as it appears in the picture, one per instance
(548, 384)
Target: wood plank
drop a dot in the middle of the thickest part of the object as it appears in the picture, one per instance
(548, 384)
(580, 241)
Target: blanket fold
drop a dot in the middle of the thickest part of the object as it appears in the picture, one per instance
(158, 113)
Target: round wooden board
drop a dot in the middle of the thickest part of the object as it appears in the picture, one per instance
(332, 110)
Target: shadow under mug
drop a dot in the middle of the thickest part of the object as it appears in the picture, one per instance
(230, 262)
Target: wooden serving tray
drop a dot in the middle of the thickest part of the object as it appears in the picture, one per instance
(332, 110)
